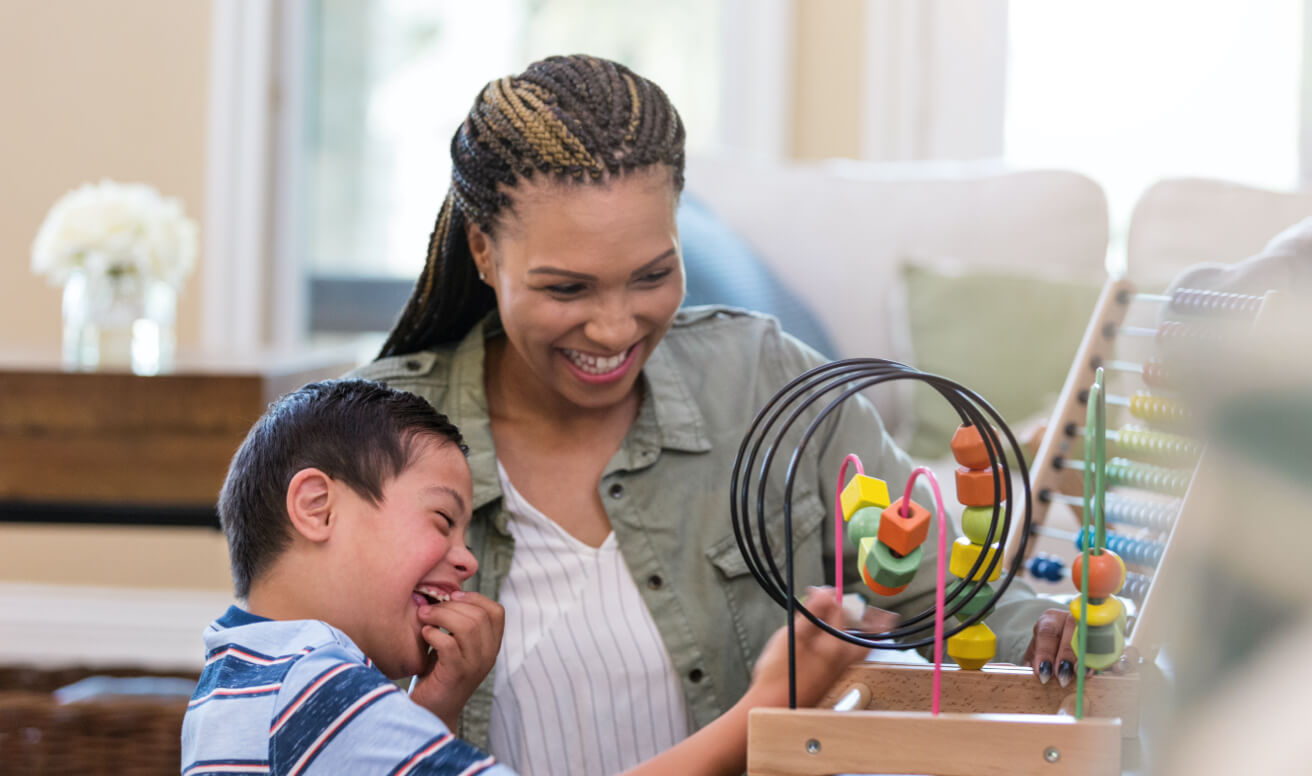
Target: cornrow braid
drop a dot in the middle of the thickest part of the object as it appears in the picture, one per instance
(577, 118)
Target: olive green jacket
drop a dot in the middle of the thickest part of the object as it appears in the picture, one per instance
(666, 492)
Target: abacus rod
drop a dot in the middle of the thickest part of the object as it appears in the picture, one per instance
(1152, 297)
(1124, 366)
(1137, 331)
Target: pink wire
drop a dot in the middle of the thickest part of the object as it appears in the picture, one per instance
(941, 578)
(838, 524)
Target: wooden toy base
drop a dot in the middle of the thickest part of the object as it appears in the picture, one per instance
(815, 742)
(997, 689)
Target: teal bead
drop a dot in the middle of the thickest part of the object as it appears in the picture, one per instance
(864, 523)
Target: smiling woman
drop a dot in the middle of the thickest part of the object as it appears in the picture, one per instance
(602, 422)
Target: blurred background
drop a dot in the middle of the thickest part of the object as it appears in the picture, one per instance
(1069, 140)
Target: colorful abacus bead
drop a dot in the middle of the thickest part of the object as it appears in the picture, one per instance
(1103, 647)
(1049, 567)
(964, 555)
(904, 533)
(861, 492)
(1106, 573)
(973, 647)
(1104, 611)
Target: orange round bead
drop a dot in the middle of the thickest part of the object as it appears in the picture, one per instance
(1106, 573)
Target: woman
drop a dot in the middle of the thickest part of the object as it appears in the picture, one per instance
(603, 423)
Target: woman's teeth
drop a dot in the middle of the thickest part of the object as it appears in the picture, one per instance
(593, 364)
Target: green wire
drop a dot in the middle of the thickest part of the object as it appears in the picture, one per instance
(1095, 494)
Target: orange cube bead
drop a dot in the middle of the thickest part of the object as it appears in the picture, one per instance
(969, 449)
(904, 534)
(975, 487)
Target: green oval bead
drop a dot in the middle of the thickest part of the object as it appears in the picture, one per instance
(865, 522)
(975, 522)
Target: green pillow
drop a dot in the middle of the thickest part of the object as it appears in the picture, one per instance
(1008, 336)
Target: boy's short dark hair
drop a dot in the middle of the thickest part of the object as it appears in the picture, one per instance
(357, 431)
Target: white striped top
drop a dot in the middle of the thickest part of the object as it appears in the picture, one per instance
(583, 685)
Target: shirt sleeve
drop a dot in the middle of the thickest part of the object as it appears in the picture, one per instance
(335, 715)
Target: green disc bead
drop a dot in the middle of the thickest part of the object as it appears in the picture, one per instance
(1105, 645)
(975, 522)
(888, 569)
(976, 602)
(865, 522)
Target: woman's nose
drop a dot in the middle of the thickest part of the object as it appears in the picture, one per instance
(612, 326)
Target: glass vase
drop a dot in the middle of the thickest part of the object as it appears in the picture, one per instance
(119, 321)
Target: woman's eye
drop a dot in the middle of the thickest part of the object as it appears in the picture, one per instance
(655, 277)
(566, 289)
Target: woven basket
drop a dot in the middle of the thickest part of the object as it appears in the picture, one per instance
(133, 736)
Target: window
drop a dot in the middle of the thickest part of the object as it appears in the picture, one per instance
(1130, 92)
(387, 82)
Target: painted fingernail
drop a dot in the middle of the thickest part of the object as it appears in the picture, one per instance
(1065, 673)
(1045, 671)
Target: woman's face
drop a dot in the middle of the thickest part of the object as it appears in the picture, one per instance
(588, 279)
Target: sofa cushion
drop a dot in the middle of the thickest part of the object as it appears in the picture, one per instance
(1006, 335)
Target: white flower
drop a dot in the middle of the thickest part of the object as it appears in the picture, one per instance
(115, 228)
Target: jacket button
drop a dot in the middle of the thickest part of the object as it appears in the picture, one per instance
(695, 675)
(616, 491)
(655, 582)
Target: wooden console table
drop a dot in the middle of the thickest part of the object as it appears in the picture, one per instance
(124, 449)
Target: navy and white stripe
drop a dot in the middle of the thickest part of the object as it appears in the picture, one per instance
(299, 698)
(583, 683)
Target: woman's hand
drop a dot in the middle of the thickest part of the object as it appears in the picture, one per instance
(465, 636)
(1051, 646)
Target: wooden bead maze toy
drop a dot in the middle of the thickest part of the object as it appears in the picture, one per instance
(896, 718)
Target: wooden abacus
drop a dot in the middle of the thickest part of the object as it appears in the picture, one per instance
(1154, 474)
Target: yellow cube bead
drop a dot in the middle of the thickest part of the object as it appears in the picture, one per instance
(964, 554)
(973, 647)
(1100, 614)
(861, 492)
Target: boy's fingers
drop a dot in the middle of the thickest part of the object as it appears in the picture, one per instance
(444, 644)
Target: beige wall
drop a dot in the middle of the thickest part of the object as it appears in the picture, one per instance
(828, 78)
(96, 89)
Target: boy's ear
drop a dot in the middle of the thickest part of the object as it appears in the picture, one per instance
(309, 504)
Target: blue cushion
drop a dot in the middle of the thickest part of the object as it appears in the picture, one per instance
(723, 269)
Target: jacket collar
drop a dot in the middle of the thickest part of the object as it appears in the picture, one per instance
(669, 417)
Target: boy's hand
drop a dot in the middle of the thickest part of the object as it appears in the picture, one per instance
(821, 658)
(465, 634)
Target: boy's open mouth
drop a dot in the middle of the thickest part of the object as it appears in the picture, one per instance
(432, 596)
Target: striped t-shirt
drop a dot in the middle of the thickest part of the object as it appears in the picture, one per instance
(299, 697)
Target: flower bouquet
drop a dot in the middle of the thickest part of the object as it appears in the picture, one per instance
(121, 252)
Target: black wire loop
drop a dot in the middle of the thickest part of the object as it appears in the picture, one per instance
(798, 401)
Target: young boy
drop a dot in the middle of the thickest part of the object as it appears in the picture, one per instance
(345, 511)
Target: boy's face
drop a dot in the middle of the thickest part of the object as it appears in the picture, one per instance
(412, 540)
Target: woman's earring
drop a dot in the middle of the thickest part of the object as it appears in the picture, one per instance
(482, 277)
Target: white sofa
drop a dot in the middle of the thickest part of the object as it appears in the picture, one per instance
(838, 234)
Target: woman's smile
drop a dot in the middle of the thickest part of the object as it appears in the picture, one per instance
(595, 369)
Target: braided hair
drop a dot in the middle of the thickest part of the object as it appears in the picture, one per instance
(577, 119)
